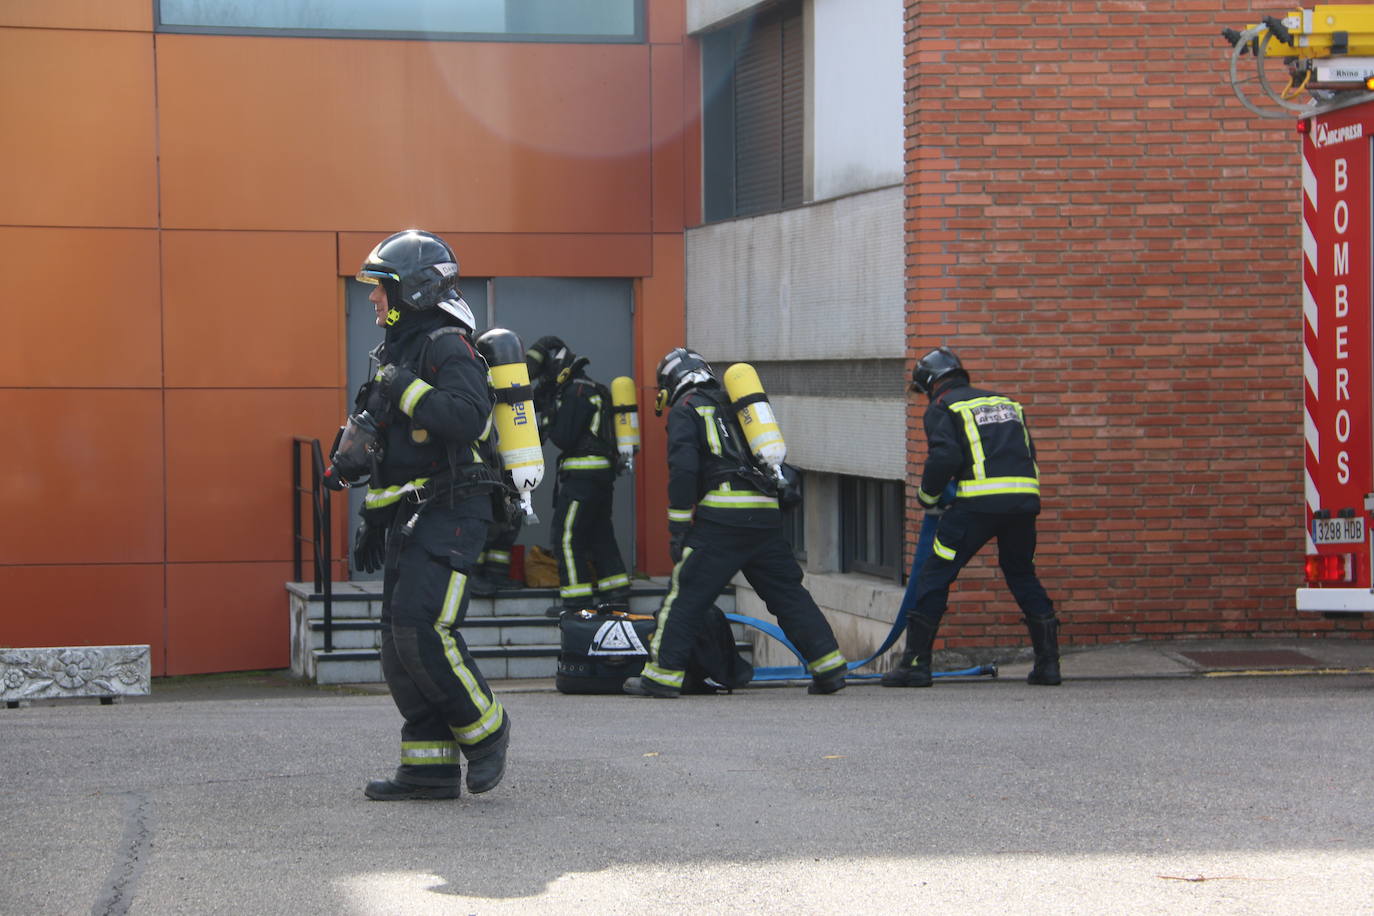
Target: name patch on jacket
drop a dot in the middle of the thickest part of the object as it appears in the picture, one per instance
(994, 413)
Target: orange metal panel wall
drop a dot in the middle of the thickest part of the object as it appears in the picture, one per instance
(131, 15)
(96, 605)
(251, 310)
(79, 135)
(191, 233)
(369, 135)
(103, 283)
(83, 482)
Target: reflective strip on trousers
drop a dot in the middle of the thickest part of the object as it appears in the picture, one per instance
(491, 712)
(827, 663)
(429, 753)
(665, 676)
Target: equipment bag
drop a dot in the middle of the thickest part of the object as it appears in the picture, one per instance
(598, 651)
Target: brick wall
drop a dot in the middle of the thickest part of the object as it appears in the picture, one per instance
(1100, 229)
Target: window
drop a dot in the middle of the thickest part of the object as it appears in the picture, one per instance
(871, 514)
(481, 20)
(753, 114)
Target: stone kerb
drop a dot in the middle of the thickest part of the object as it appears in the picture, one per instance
(107, 672)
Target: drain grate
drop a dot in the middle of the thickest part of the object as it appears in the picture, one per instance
(1250, 658)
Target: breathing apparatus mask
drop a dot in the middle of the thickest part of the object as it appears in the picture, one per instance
(357, 453)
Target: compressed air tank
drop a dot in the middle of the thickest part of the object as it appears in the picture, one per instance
(517, 430)
(625, 406)
(756, 416)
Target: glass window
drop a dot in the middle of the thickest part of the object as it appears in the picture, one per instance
(871, 515)
(490, 20)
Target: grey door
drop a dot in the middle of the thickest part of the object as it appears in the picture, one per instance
(594, 317)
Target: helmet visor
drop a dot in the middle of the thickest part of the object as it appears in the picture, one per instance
(375, 275)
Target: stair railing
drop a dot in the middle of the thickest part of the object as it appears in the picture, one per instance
(321, 538)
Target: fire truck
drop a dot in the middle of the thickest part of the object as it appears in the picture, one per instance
(1315, 67)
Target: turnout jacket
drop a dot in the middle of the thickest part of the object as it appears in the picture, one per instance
(580, 427)
(438, 416)
(705, 465)
(980, 440)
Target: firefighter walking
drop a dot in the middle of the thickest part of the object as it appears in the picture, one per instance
(722, 520)
(425, 517)
(980, 440)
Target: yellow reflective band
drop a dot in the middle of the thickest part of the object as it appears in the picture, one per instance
(679, 515)
(422, 753)
(664, 676)
(596, 414)
(592, 463)
(483, 728)
(377, 499)
(827, 662)
(410, 398)
(573, 588)
(997, 486)
(925, 498)
(497, 556)
(708, 413)
(942, 551)
(610, 582)
(725, 498)
(453, 599)
(667, 608)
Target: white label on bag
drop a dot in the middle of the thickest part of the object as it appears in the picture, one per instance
(617, 637)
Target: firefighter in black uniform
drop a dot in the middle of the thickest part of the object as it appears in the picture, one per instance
(978, 439)
(425, 516)
(575, 414)
(722, 519)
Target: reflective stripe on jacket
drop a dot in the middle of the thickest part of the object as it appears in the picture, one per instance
(980, 440)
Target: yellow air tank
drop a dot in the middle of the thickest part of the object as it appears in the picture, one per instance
(626, 408)
(756, 416)
(517, 430)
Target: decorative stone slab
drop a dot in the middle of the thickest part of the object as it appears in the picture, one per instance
(106, 672)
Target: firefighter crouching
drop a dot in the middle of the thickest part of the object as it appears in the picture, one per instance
(980, 440)
(723, 518)
(576, 415)
(429, 502)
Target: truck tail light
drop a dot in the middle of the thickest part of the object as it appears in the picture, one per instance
(1325, 568)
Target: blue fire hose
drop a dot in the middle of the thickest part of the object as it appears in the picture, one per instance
(925, 544)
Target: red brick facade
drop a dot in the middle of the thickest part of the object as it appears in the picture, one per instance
(1102, 231)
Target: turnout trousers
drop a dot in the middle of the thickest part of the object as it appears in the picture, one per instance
(960, 535)
(712, 554)
(446, 703)
(589, 561)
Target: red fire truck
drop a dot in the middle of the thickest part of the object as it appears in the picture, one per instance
(1316, 68)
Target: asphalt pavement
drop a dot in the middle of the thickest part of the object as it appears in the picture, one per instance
(1203, 777)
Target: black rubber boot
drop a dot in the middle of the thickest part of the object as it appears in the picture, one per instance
(412, 782)
(1044, 634)
(914, 668)
(644, 687)
(616, 601)
(486, 769)
(830, 682)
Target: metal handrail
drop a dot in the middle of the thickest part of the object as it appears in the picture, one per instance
(321, 539)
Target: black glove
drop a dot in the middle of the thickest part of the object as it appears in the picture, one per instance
(369, 547)
(677, 536)
(393, 380)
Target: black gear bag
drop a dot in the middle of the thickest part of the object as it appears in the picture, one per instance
(599, 650)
